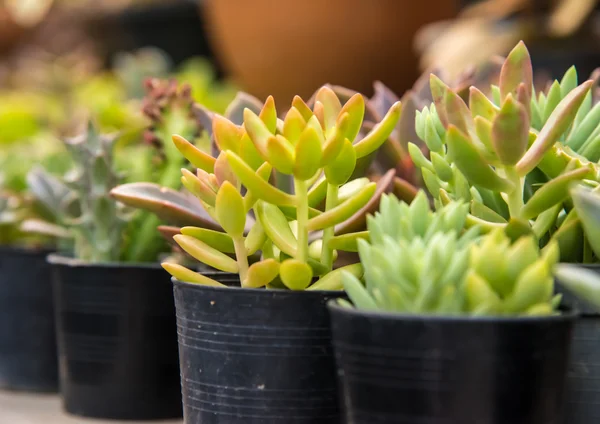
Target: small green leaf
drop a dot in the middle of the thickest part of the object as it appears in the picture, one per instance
(516, 69)
(293, 125)
(334, 279)
(302, 107)
(418, 158)
(268, 114)
(553, 99)
(558, 122)
(348, 242)
(357, 293)
(442, 168)
(206, 254)
(276, 227)
(215, 239)
(256, 238)
(468, 160)
(482, 211)
(258, 132)
(331, 106)
(259, 187)
(438, 92)
(317, 193)
(295, 274)
(585, 129)
(587, 205)
(351, 188)
(194, 155)
(261, 273)
(355, 108)
(534, 285)
(341, 169)
(478, 293)
(553, 192)
(308, 154)
(230, 211)
(510, 132)
(342, 211)
(198, 187)
(480, 105)
(223, 172)
(335, 142)
(378, 135)
(568, 82)
(227, 135)
(457, 112)
(189, 276)
(281, 154)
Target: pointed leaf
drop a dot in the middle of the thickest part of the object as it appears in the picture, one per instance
(206, 254)
(348, 242)
(510, 132)
(516, 69)
(466, 157)
(355, 108)
(558, 122)
(259, 187)
(587, 205)
(335, 142)
(230, 210)
(341, 169)
(301, 106)
(194, 155)
(334, 279)
(281, 154)
(308, 154)
(227, 135)
(293, 125)
(258, 132)
(188, 276)
(343, 211)
(480, 105)
(331, 106)
(276, 227)
(378, 135)
(268, 114)
(582, 282)
(215, 239)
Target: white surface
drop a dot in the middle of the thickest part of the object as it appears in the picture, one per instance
(19, 408)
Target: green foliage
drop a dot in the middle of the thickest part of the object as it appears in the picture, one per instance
(423, 262)
(509, 155)
(84, 212)
(315, 148)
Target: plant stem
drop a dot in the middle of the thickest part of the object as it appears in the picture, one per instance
(241, 256)
(330, 203)
(302, 218)
(515, 197)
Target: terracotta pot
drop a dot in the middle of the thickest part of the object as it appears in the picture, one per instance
(288, 47)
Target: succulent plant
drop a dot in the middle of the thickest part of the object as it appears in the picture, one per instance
(84, 211)
(491, 154)
(423, 262)
(312, 146)
(415, 260)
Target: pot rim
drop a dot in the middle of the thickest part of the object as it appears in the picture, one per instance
(63, 260)
(257, 291)
(566, 315)
(11, 248)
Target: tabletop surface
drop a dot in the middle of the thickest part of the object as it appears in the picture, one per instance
(19, 408)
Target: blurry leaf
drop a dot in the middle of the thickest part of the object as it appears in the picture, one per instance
(183, 274)
(295, 274)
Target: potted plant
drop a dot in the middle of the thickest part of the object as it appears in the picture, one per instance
(266, 236)
(582, 284)
(115, 321)
(448, 326)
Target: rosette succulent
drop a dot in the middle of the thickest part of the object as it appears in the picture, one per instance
(314, 148)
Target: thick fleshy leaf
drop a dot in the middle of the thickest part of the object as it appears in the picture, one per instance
(295, 274)
(348, 242)
(466, 157)
(171, 206)
(293, 125)
(281, 154)
(189, 276)
(558, 122)
(258, 132)
(334, 279)
(331, 106)
(194, 155)
(308, 154)
(227, 135)
(457, 112)
(230, 211)
(570, 239)
(480, 105)
(259, 187)
(516, 69)
(355, 108)
(223, 172)
(483, 129)
(268, 114)
(358, 293)
(261, 273)
(249, 153)
(510, 131)
(198, 187)
(482, 211)
(343, 211)
(335, 141)
(215, 239)
(553, 192)
(341, 169)
(553, 99)
(301, 106)
(585, 129)
(317, 193)
(256, 238)
(378, 135)
(276, 227)
(587, 205)
(206, 254)
(438, 92)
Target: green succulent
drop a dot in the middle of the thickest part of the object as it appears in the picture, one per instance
(423, 262)
(85, 213)
(314, 146)
(415, 260)
(506, 157)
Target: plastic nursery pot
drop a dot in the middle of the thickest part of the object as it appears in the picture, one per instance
(27, 339)
(455, 370)
(117, 340)
(255, 356)
(583, 381)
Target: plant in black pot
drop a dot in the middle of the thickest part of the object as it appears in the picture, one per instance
(254, 337)
(115, 320)
(449, 326)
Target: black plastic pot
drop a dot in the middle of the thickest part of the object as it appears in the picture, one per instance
(425, 369)
(27, 339)
(583, 394)
(117, 340)
(255, 356)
